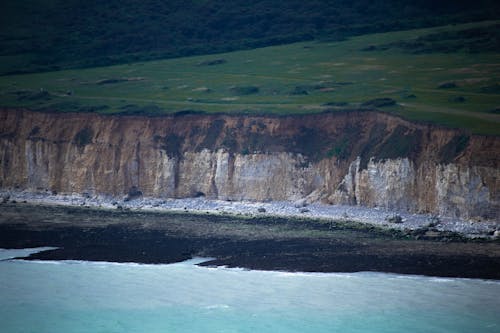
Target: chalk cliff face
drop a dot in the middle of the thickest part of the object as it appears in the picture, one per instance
(357, 158)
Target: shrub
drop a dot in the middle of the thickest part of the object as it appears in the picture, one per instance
(379, 102)
(244, 90)
(457, 99)
(447, 85)
(83, 137)
(453, 148)
(299, 91)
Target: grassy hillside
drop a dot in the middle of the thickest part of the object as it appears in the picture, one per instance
(41, 35)
(448, 75)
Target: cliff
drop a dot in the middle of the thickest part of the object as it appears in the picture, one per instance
(358, 158)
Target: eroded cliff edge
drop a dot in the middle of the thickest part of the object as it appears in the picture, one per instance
(357, 158)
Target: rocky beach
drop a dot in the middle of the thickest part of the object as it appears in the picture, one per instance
(281, 236)
(379, 217)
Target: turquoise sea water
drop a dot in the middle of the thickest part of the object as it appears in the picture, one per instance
(74, 296)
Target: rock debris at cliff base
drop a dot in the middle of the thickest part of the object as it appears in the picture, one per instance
(371, 216)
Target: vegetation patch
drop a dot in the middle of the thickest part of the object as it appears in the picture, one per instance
(305, 89)
(299, 91)
(118, 80)
(171, 144)
(335, 104)
(229, 142)
(453, 148)
(401, 143)
(78, 34)
(34, 131)
(133, 193)
(83, 137)
(244, 90)
(457, 99)
(491, 89)
(30, 95)
(447, 85)
(148, 110)
(340, 150)
(344, 145)
(110, 81)
(70, 106)
(212, 134)
(377, 134)
(282, 80)
(265, 143)
(379, 103)
(471, 40)
(311, 143)
(213, 62)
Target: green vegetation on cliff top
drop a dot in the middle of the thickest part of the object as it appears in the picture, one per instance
(42, 35)
(447, 75)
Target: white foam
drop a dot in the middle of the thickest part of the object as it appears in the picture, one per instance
(6, 254)
(196, 261)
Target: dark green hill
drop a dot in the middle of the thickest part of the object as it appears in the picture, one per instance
(40, 35)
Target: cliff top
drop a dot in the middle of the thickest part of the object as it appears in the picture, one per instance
(446, 75)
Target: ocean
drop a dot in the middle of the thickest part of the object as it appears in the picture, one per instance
(80, 296)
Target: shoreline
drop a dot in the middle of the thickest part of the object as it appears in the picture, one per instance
(369, 216)
(258, 242)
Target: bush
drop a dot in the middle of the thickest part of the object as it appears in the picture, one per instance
(133, 109)
(379, 102)
(83, 137)
(457, 99)
(299, 91)
(453, 148)
(244, 90)
(447, 85)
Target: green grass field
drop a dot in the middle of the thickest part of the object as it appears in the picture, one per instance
(459, 89)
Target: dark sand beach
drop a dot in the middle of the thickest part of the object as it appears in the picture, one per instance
(265, 243)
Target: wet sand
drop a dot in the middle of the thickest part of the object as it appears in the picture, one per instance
(259, 242)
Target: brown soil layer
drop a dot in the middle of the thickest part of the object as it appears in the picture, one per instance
(254, 243)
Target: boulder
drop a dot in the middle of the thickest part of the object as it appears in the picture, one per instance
(300, 203)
